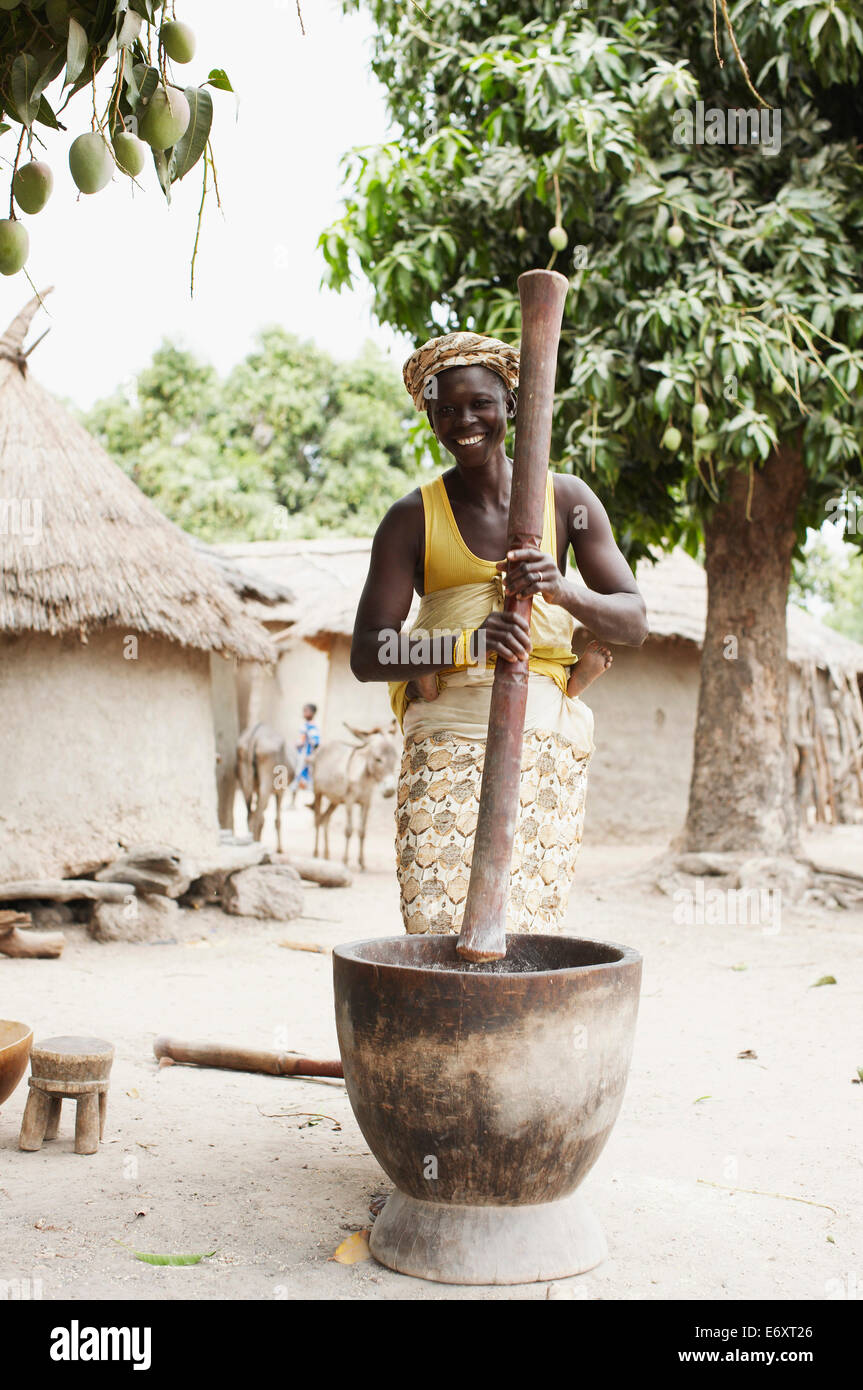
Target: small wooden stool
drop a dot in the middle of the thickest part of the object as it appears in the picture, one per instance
(75, 1068)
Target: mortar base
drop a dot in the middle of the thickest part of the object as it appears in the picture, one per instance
(487, 1245)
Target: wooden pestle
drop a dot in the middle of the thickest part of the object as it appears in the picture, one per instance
(483, 932)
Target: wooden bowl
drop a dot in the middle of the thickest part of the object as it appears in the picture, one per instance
(486, 1093)
(15, 1042)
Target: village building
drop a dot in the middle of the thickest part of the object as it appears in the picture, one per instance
(118, 637)
(645, 706)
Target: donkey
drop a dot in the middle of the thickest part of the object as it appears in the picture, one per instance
(265, 768)
(346, 775)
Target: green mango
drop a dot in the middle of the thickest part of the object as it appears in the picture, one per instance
(178, 41)
(14, 243)
(90, 162)
(32, 186)
(130, 152)
(164, 118)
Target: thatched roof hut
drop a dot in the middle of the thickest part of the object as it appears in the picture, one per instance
(109, 618)
(105, 555)
(313, 634)
(645, 708)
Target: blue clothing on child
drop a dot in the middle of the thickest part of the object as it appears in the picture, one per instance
(309, 740)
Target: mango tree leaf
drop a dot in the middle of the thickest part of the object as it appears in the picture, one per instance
(77, 47)
(162, 161)
(132, 91)
(145, 81)
(144, 7)
(192, 142)
(46, 116)
(130, 28)
(27, 84)
(219, 78)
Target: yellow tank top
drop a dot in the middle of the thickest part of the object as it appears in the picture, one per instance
(461, 589)
(448, 561)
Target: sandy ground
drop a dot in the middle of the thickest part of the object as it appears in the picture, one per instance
(272, 1174)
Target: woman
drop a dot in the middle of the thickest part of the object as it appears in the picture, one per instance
(447, 541)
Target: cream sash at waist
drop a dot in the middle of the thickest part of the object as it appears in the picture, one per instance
(462, 708)
(468, 606)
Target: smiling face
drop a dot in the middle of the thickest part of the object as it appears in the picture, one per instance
(469, 413)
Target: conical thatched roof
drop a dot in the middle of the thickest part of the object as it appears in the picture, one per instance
(81, 548)
(327, 576)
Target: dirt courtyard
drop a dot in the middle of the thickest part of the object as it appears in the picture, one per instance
(272, 1174)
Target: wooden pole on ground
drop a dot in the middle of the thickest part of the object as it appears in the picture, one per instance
(483, 933)
(227, 1057)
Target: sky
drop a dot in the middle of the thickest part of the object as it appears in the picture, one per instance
(119, 259)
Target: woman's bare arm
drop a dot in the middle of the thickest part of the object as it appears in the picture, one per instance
(611, 606)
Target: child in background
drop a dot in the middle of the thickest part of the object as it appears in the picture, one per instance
(308, 741)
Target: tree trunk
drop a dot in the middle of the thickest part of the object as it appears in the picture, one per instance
(741, 794)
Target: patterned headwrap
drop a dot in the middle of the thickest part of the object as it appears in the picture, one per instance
(457, 350)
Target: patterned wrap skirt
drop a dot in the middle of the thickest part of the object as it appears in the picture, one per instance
(436, 815)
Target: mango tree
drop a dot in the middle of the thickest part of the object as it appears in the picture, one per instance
(700, 183)
(146, 110)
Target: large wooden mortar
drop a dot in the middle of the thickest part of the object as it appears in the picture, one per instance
(486, 1092)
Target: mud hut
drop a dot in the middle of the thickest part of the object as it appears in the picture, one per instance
(109, 622)
(645, 708)
(646, 711)
(312, 634)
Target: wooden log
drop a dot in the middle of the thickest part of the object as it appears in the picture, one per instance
(35, 945)
(10, 917)
(819, 783)
(822, 755)
(853, 735)
(483, 932)
(321, 871)
(64, 890)
(227, 1057)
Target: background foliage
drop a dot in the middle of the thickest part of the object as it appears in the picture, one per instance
(759, 313)
(291, 443)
